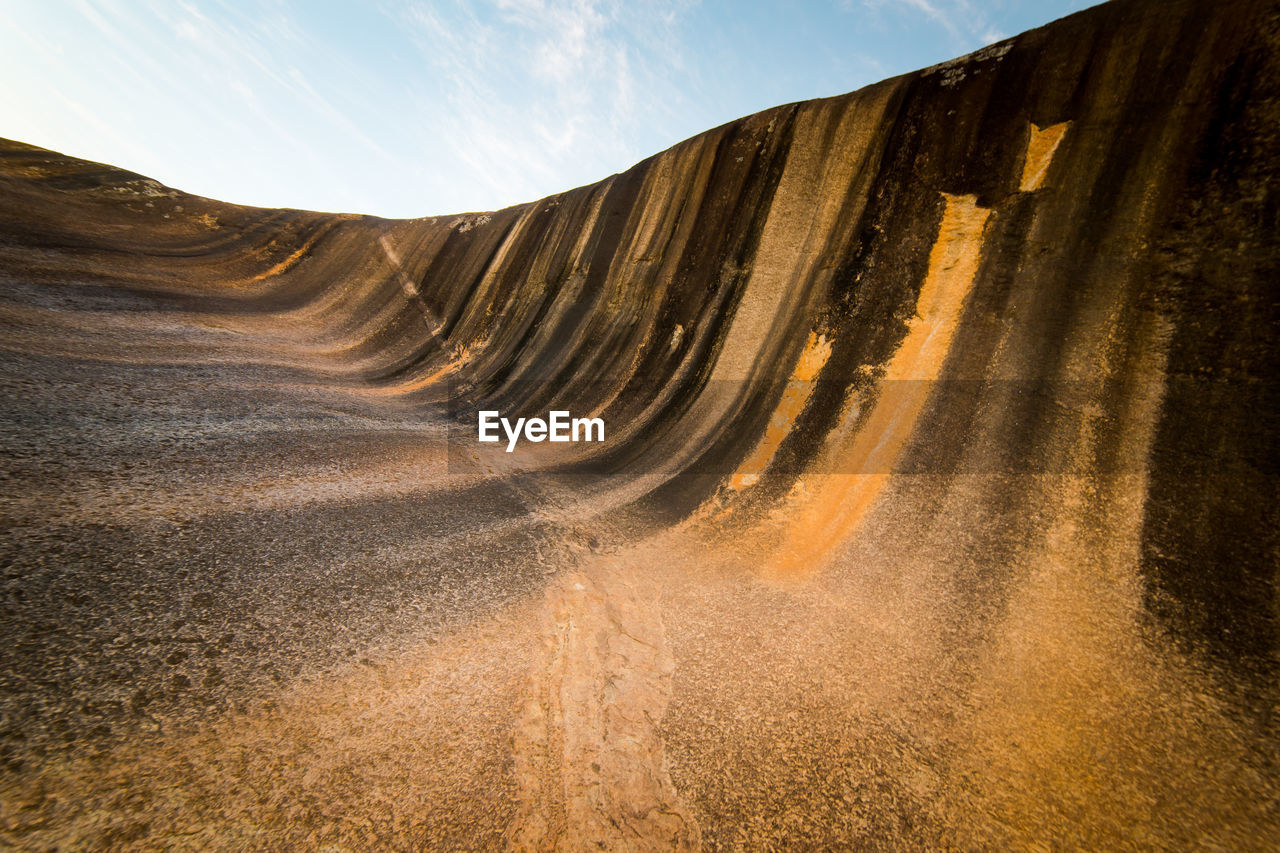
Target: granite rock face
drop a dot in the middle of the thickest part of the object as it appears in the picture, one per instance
(937, 506)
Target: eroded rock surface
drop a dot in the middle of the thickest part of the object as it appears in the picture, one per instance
(937, 507)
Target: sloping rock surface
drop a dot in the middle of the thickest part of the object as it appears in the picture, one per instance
(937, 506)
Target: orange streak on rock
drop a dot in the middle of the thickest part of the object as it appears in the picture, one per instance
(794, 399)
(1041, 146)
(828, 508)
(452, 366)
(293, 259)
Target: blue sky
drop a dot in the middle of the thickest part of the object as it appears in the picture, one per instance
(412, 108)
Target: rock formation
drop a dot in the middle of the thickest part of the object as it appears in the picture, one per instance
(937, 506)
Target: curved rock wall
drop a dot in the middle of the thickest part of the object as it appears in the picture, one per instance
(937, 504)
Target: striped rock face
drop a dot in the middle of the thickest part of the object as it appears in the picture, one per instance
(936, 505)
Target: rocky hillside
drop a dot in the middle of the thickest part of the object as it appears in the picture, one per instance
(936, 507)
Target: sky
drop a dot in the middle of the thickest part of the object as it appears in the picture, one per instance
(405, 108)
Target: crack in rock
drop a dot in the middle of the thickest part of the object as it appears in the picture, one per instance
(589, 759)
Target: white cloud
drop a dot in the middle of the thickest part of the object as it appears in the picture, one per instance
(414, 107)
(966, 26)
(538, 89)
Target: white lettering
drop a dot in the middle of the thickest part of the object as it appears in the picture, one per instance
(488, 421)
(513, 435)
(559, 426)
(587, 424)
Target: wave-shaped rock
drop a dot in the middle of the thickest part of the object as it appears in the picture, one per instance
(936, 507)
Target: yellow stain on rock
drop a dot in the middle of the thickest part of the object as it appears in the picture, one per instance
(1042, 144)
(796, 396)
(826, 509)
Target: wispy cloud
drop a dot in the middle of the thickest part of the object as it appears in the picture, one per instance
(966, 26)
(535, 84)
(413, 107)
